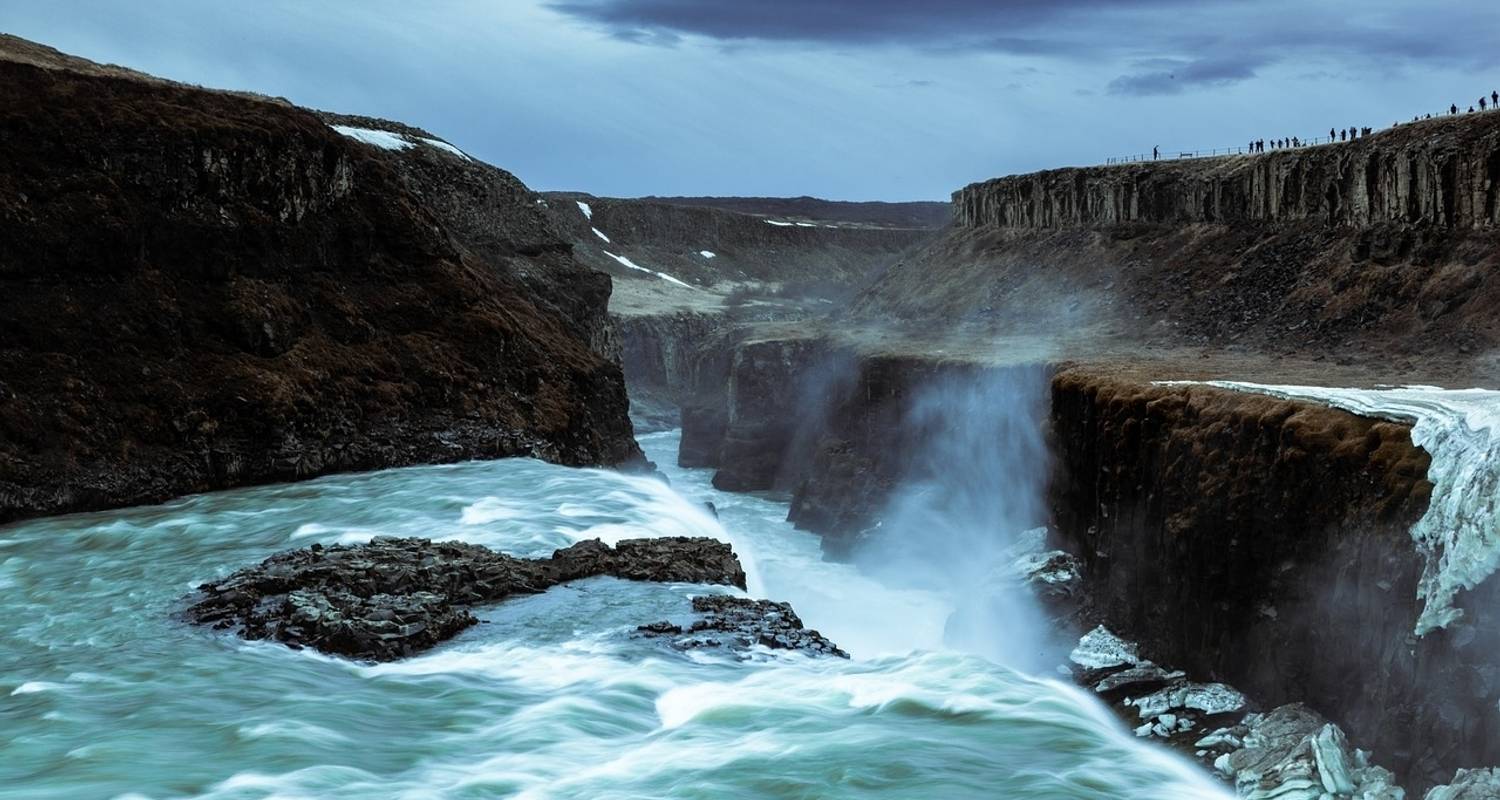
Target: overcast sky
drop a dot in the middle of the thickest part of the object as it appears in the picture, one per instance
(849, 99)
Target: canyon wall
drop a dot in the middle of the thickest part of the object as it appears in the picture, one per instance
(707, 246)
(1443, 172)
(1268, 544)
(201, 290)
(1256, 541)
(1384, 250)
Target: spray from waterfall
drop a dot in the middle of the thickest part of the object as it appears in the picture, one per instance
(975, 481)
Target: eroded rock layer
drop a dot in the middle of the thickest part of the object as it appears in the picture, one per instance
(1441, 172)
(201, 290)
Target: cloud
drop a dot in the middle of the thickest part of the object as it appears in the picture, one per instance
(1169, 76)
(1191, 39)
(968, 24)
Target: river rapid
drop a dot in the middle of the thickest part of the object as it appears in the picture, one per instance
(104, 693)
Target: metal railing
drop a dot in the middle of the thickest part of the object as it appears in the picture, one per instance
(1315, 141)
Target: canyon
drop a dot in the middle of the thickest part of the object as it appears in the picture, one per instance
(1266, 542)
(205, 290)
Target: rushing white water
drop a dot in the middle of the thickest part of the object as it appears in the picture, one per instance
(1459, 535)
(104, 694)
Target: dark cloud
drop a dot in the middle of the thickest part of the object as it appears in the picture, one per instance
(1169, 76)
(1191, 38)
(965, 23)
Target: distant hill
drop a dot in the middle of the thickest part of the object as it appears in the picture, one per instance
(918, 214)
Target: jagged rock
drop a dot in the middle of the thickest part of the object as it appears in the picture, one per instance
(739, 624)
(1145, 675)
(1208, 698)
(1292, 753)
(1469, 784)
(392, 597)
(1100, 649)
(1051, 574)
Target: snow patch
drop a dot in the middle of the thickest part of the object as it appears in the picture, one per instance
(385, 140)
(1459, 536)
(588, 213)
(631, 264)
(442, 145)
(389, 140)
(600, 234)
(707, 254)
(778, 223)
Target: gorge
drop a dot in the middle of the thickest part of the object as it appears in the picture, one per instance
(336, 462)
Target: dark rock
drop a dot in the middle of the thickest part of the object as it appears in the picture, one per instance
(738, 624)
(1469, 784)
(204, 290)
(392, 598)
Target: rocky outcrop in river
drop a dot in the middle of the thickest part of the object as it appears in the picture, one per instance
(740, 624)
(393, 598)
(201, 290)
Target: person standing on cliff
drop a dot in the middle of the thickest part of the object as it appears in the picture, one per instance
(1155, 152)
(1453, 109)
(1495, 99)
(1331, 134)
(1481, 104)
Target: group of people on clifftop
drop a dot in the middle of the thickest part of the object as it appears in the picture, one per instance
(1493, 103)
(1346, 134)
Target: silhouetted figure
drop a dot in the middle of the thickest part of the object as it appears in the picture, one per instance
(1343, 135)
(1471, 109)
(1453, 109)
(1155, 152)
(1261, 145)
(1331, 134)
(1481, 104)
(1495, 99)
(1429, 116)
(1251, 148)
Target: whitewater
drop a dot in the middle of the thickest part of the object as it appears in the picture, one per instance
(105, 693)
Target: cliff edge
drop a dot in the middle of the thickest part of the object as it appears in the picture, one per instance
(204, 289)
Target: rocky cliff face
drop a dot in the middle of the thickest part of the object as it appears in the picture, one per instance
(1385, 250)
(1259, 542)
(1443, 173)
(1269, 544)
(201, 290)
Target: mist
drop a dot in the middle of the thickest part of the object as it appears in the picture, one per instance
(974, 484)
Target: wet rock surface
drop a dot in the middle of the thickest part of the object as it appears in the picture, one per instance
(393, 598)
(739, 624)
(1288, 753)
(1469, 784)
